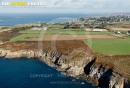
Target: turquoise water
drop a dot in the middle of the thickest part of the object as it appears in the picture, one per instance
(31, 73)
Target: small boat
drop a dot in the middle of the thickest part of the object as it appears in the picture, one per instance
(82, 83)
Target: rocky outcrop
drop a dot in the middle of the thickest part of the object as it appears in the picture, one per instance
(102, 75)
(116, 81)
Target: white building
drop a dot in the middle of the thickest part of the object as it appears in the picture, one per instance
(118, 32)
(99, 30)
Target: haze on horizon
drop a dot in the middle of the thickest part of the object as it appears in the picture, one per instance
(71, 6)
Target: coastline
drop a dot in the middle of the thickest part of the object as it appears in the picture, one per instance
(85, 68)
(49, 63)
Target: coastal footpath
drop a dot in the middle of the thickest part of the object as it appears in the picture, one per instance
(87, 68)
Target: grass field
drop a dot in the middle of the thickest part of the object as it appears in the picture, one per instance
(36, 33)
(23, 36)
(110, 46)
(65, 31)
(56, 26)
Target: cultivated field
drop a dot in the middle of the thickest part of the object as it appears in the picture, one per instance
(110, 46)
(106, 43)
(62, 33)
(69, 37)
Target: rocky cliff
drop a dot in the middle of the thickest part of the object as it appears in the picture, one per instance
(102, 75)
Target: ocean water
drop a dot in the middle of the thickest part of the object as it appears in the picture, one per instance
(31, 73)
(26, 73)
(13, 19)
(10, 19)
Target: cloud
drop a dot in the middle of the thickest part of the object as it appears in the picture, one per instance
(87, 4)
(66, 4)
(78, 5)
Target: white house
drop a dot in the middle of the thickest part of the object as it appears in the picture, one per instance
(99, 30)
(118, 32)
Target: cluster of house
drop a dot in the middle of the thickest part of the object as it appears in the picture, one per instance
(108, 19)
(41, 27)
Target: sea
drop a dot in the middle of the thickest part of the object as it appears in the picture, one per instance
(11, 19)
(31, 73)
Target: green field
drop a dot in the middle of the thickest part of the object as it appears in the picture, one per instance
(64, 31)
(23, 36)
(35, 33)
(55, 26)
(110, 46)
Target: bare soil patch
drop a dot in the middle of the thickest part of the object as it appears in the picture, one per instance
(122, 29)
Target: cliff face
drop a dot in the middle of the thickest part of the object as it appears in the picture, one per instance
(100, 74)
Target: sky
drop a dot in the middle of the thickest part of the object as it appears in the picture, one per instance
(71, 6)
